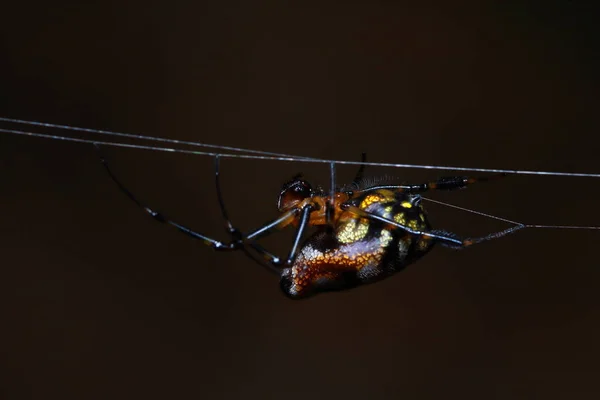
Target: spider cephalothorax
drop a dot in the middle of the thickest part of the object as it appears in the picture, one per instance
(293, 192)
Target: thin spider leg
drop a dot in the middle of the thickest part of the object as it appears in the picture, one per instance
(217, 245)
(447, 239)
(236, 235)
(471, 241)
(276, 261)
(268, 266)
(444, 183)
(272, 226)
(228, 225)
(330, 206)
(299, 232)
(273, 261)
(266, 229)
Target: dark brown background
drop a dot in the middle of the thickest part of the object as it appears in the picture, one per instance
(97, 301)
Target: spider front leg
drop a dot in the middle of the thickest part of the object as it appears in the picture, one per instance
(238, 240)
(216, 244)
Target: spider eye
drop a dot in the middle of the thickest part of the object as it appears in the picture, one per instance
(293, 192)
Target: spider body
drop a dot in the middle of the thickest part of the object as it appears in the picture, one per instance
(357, 250)
(363, 235)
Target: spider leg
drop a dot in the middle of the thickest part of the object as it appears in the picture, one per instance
(447, 239)
(268, 228)
(273, 263)
(443, 183)
(238, 239)
(277, 261)
(231, 230)
(471, 241)
(330, 206)
(217, 245)
(269, 267)
(235, 233)
(272, 226)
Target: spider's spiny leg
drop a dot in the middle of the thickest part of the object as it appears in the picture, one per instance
(443, 183)
(161, 218)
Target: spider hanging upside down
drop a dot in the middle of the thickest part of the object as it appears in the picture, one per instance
(363, 235)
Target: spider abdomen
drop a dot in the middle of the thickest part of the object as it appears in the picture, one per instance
(359, 251)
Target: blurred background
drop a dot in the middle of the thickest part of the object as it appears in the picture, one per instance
(99, 301)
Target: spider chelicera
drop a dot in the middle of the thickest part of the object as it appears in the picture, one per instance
(363, 235)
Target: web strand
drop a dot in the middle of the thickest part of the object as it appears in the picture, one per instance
(142, 137)
(510, 221)
(236, 152)
(258, 155)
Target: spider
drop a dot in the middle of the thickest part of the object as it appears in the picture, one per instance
(363, 235)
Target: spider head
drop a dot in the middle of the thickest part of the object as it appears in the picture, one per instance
(293, 192)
